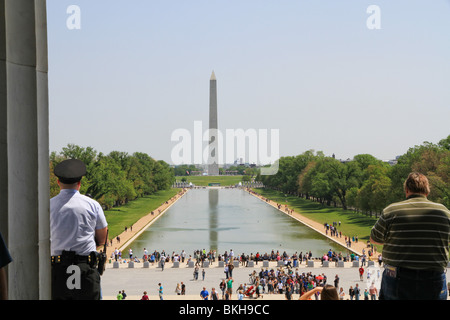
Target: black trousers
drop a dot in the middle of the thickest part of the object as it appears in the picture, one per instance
(75, 282)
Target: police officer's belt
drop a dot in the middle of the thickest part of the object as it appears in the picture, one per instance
(69, 257)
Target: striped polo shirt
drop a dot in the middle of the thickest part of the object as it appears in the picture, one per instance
(415, 234)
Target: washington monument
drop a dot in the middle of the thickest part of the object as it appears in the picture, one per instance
(213, 165)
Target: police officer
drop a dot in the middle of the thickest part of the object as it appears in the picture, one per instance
(77, 227)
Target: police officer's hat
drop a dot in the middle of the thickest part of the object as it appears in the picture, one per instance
(70, 171)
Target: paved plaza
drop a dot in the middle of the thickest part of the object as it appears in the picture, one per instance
(138, 279)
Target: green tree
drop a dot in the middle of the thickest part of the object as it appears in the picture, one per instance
(342, 177)
(445, 143)
(145, 171)
(108, 183)
(305, 179)
(163, 175)
(373, 195)
(432, 160)
(435, 164)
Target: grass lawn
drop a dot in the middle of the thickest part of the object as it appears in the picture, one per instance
(204, 180)
(126, 215)
(352, 223)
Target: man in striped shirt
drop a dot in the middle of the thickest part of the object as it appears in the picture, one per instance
(415, 235)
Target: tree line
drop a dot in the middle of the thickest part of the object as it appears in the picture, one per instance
(117, 177)
(364, 184)
(188, 169)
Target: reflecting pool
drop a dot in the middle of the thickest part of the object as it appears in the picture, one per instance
(223, 219)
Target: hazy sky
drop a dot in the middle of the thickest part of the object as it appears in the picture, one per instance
(137, 70)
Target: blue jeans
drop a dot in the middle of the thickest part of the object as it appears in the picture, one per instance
(409, 284)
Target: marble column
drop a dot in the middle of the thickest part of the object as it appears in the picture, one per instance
(24, 147)
(3, 128)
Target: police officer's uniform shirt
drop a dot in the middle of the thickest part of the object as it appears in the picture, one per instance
(73, 221)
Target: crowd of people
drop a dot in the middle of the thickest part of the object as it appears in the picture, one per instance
(269, 281)
(276, 281)
(285, 279)
(211, 256)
